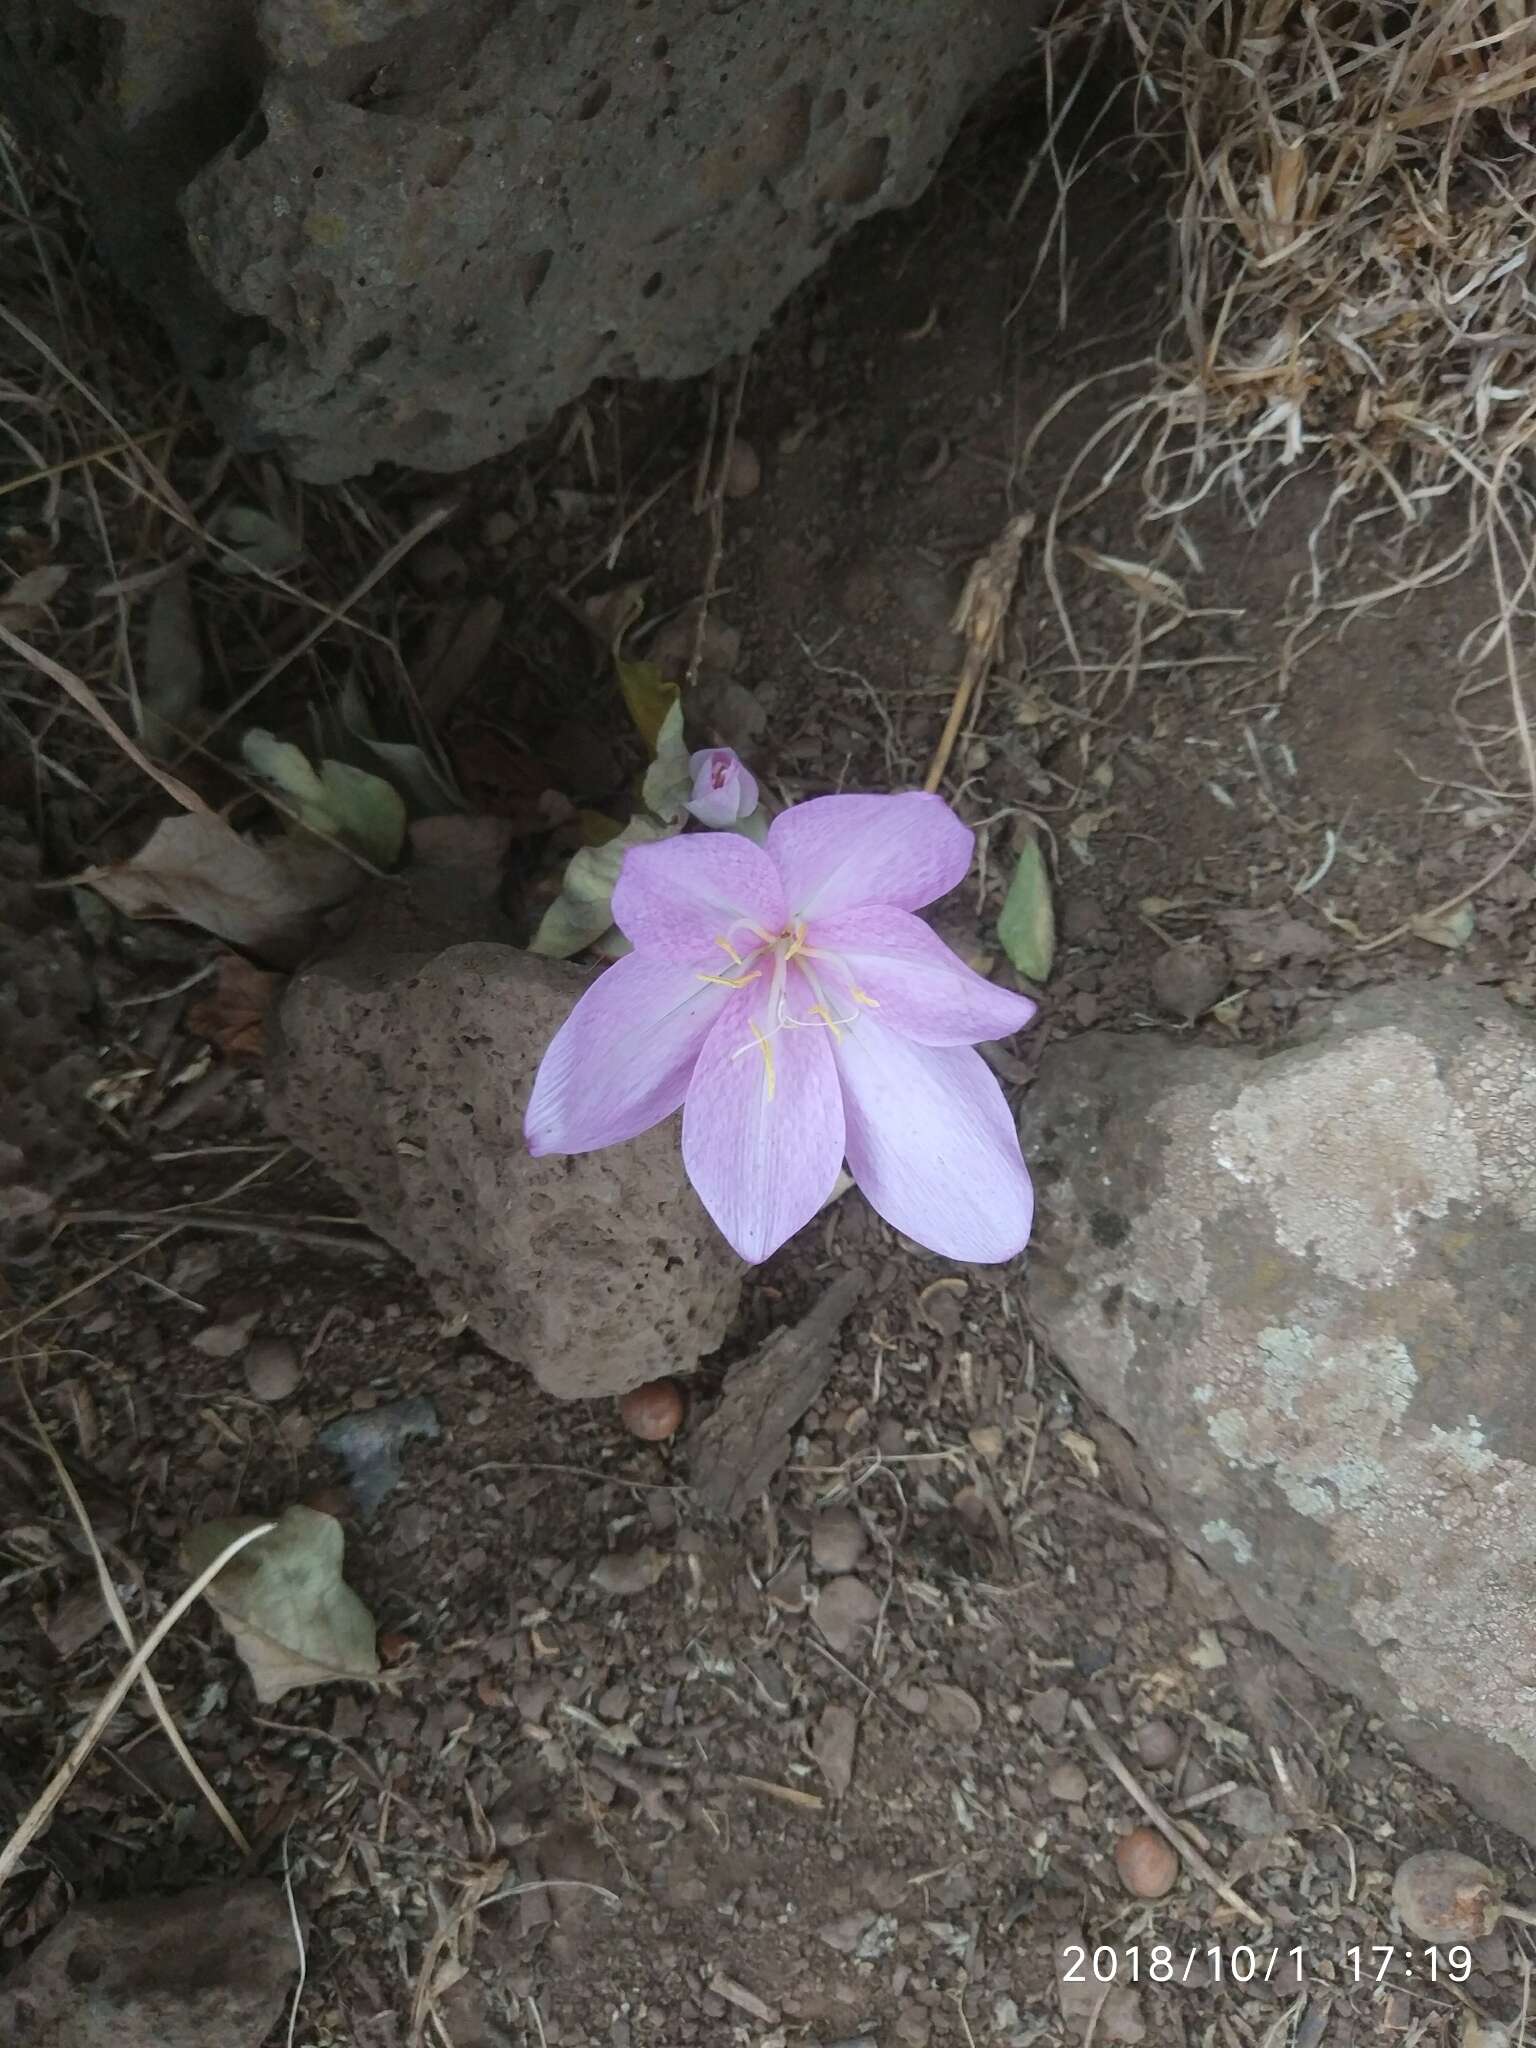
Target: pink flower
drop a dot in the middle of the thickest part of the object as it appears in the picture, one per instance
(723, 791)
(789, 1002)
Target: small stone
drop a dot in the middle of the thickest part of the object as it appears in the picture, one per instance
(953, 1711)
(833, 1746)
(1048, 1710)
(986, 1440)
(229, 1333)
(845, 1609)
(653, 1412)
(1251, 1811)
(1147, 1863)
(499, 528)
(743, 470)
(837, 1541)
(272, 1368)
(1068, 1782)
(845, 1935)
(1157, 1744)
(626, 1572)
(1189, 978)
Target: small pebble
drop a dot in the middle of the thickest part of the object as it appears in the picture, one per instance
(1189, 978)
(272, 1368)
(1068, 1782)
(837, 1541)
(1048, 1710)
(743, 472)
(654, 1411)
(1157, 1744)
(499, 528)
(1148, 1865)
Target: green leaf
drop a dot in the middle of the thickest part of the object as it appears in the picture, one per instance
(338, 802)
(648, 696)
(1027, 927)
(583, 911)
(295, 1620)
(669, 779)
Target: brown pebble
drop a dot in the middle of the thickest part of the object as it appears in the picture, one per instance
(1157, 1744)
(1189, 978)
(654, 1411)
(1148, 1865)
(743, 470)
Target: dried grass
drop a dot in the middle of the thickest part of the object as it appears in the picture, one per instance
(1354, 219)
(1357, 200)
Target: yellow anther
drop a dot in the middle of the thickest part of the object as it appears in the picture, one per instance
(731, 980)
(796, 944)
(767, 1052)
(728, 950)
(829, 1020)
(868, 1002)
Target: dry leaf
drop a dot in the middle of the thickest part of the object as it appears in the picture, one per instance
(266, 899)
(294, 1619)
(234, 1016)
(33, 593)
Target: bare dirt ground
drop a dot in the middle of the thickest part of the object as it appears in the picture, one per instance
(700, 1811)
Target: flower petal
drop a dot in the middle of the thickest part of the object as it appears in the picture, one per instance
(687, 899)
(841, 852)
(932, 1143)
(920, 988)
(623, 1058)
(723, 789)
(763, 1124)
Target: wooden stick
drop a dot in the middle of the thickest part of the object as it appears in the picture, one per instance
(980, 615)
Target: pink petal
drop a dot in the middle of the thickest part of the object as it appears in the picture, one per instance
(841, 852)
(623, 1058)
(763, 1124)
(688, 899)
(917, 985)
(932, 1143)
(723, 790)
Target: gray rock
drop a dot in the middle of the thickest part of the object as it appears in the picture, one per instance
(407, 1074)
(1305, 1283)
(208, 1966)
(408, 230)
(271, 1367)
(371, 1444)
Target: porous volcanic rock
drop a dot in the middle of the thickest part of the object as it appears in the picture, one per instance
(407, 1074)
(408, 230)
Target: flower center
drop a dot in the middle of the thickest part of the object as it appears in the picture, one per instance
(771, 956)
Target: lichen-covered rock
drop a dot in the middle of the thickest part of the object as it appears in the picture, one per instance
(1306, 1284)
(207, 1969)
(408, 230)
(407, 1075)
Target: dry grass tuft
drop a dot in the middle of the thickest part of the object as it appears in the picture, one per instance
(1354, 227)
(1354, 219)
